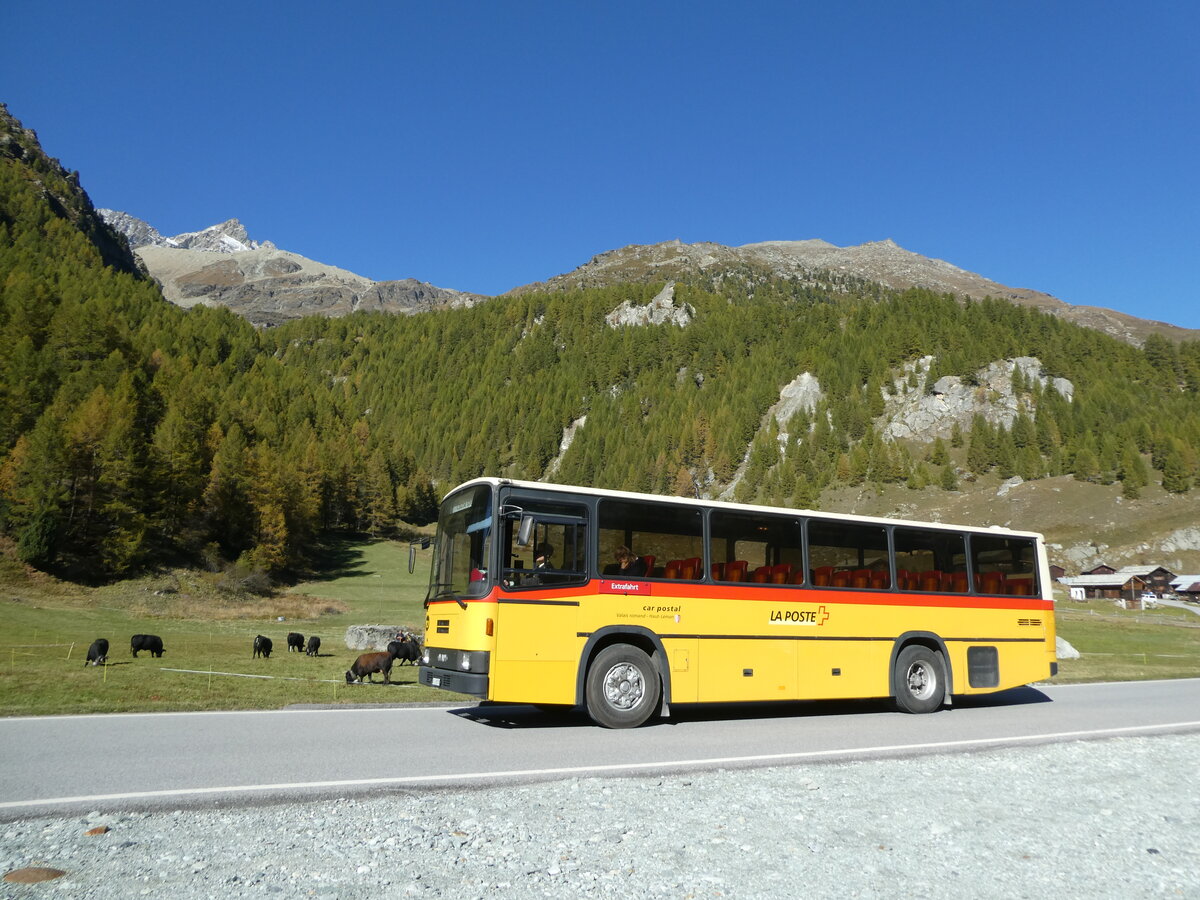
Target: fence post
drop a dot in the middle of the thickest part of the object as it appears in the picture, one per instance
(70, 650)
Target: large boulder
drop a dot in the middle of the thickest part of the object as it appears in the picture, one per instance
(374, 637)
(1063, 650)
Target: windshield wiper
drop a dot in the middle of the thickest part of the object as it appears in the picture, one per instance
(444, 591)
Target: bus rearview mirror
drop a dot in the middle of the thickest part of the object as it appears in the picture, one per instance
(525, 532)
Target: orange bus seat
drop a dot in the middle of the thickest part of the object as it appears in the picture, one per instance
(693, 568)
(736, 570)
(931, 581)
(797, 577)
(958, 583)
(649, 561)
(718, 571)
(762, 575)
(991, 582)
(672, 569)
(880, 581)
(781, 573)
(840, 578)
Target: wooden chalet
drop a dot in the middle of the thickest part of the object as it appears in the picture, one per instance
(1124, 589)
(1157, 578)
(1187, 587)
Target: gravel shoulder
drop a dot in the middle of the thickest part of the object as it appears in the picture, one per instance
(1111, 818)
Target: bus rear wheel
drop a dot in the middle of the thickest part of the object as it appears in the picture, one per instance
(622, 688)
(920, 686)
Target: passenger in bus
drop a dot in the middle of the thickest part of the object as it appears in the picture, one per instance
(541, 562)
(476, 580)
(627, 565)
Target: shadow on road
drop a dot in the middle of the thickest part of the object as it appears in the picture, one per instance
(519, 716)
(1020, 696)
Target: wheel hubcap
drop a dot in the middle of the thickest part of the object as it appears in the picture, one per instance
(921, 681)
(624, 687)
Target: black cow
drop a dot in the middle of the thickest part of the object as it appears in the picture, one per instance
(150, 642)
(406, 650)
(295, 642)
(97, 654)
(314, 646)
(262, 647)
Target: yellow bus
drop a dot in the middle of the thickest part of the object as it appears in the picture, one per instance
(722, 602)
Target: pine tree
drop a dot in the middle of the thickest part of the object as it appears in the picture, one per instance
(1133, 473)
(227, 507)
(1176, 476)
(949, 480)
(1087, 468)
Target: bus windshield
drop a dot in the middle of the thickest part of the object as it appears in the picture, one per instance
(464, 543)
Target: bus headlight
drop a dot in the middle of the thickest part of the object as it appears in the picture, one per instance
(465, 663)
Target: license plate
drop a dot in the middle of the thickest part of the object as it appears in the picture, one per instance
(435, 681)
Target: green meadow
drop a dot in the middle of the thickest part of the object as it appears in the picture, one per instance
(208, 632)
(208, 636)
(1127, 645)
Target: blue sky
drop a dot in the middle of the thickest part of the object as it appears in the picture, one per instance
(485, 145)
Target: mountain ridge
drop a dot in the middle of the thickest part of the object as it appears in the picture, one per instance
(817, 262)
(268, 292)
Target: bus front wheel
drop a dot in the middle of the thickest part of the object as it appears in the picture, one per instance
(920, 686)
(623, 688)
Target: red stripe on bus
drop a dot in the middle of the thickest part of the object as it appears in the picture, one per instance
(768, 594)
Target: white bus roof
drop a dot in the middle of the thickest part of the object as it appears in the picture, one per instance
(722, 504)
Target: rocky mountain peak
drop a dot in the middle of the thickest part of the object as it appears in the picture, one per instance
(222, 266)
(229, 236)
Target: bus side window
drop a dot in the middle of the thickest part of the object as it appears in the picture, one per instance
(667, 538)
(556, 549)
(848, 552)
(931, 560)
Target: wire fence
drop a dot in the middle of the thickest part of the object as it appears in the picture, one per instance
(57, 651)
(1168, 620)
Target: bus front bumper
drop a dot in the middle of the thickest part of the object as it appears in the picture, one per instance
(474, 684)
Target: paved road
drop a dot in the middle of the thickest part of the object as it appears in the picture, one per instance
(172, 760)
(1190, 607)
